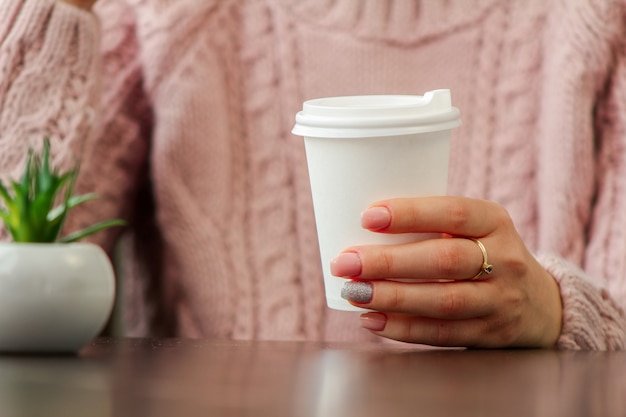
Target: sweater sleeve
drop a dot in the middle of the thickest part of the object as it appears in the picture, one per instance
(594, 296)
(592, 320)
(72, 76)
(115, 165)
(48, 80)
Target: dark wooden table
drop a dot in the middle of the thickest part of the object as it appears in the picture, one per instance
(176, 377)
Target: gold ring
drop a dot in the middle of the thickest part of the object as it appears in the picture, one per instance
(486, 267)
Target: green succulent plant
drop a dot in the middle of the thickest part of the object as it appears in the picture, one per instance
(36, 207)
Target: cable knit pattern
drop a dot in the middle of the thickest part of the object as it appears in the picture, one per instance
(183, 124)
(48, 81)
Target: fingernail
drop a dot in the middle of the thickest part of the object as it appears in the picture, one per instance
(376, 218)
(357, 291)
(347, 264)
(374, 321)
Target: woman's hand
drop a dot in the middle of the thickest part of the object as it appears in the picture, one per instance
(83, 4)
(517, 305)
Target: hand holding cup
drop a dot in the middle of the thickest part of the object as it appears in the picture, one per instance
(449, 299)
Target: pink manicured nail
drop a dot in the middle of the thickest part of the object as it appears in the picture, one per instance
(376, 218)
(347, 264)
(374, 321)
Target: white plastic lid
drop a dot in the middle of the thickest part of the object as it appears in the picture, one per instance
(376, 115)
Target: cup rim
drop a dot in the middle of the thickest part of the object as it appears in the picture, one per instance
(376, 115)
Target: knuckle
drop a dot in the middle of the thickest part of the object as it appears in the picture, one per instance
(501, 216)
(410, 331)
(377, 262)
(451, 304)
(444, 333)
(516, 302)
(384, 263)
(410, 216)
(516, 267)
(506, 328)
(516, 261)
(396, 299)
(446, 260)
(506, 334)
(457, 214)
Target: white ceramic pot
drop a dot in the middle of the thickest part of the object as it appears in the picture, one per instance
(53, 297)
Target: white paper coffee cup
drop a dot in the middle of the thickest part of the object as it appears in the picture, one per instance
(361, 149)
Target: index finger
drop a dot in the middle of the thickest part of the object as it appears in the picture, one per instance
(459, 216)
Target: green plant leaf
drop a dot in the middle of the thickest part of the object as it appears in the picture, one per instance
(7, 215)
(36, 207)
(71, 203)
(87, 231)
(8, 200)
(20, 215)
(4, 193)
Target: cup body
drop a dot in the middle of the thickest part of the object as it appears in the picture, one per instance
(363, 149)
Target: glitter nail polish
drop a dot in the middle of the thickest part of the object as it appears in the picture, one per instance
(357, 291)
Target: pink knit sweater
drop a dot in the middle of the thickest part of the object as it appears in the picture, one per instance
(181, 112)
